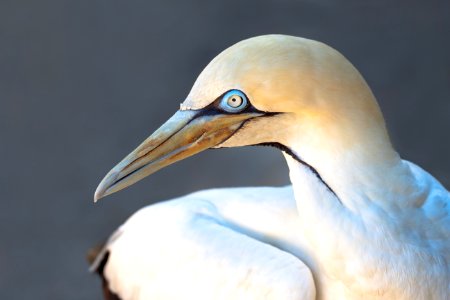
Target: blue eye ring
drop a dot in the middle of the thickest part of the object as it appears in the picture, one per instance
(233, 101)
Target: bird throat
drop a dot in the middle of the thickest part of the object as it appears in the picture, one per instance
(288, 151)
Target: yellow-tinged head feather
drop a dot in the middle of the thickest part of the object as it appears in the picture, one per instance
(326, 113)
(284, 74)
(330, 116)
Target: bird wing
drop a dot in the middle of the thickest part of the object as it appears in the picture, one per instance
(210, 245)
(433, 222)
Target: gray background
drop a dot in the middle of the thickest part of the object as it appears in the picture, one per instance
(83, 82)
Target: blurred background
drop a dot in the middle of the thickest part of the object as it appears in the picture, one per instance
(83, 82)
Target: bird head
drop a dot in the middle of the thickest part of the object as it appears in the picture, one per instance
(272, 89)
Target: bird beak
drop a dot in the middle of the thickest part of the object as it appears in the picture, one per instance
(186, 133)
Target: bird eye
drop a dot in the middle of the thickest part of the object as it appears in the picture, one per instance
(234, 101)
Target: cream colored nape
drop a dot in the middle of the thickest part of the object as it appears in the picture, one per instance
(329, 111)
(282, 73)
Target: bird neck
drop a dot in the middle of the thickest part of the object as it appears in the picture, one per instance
(354, 206)
(369, 172)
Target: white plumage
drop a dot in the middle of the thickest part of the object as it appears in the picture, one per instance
(358, 221)
(214, 244)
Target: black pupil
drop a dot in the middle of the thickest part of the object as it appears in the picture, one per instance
(234, 101)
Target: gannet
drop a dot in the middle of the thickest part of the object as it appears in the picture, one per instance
(358, 222)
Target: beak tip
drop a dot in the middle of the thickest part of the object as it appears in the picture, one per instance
(101, 191)
(105, 186)
(98, 195)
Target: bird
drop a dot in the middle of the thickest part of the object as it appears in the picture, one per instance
(357, 221)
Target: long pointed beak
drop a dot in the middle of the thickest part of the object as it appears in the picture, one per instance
(184, 134)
